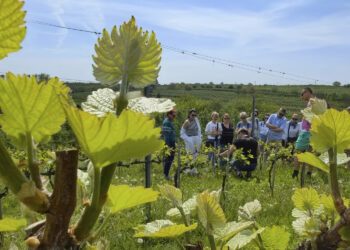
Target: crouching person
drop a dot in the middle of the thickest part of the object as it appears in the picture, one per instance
(250, 150)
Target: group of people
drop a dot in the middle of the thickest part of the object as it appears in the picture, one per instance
(274, 128)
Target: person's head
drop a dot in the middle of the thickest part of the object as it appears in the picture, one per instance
(192, 114)
(348, 109)
(214, 116)
(243, 116)
(281, 112)
(171, 114)
(306, 94)
(295, 118)
(256, 111)
(225, 118)
(266, 117)
(242, 132)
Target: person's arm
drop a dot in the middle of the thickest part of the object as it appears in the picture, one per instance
(281, 128)
(237, 128)
(228, 152)
(186, 123)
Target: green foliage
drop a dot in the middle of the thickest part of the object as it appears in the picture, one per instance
(102, 139)
(162, 229)
(331, 130)
(30, 108)
(306, 199)
(123, 197)
(8, 224)
(128, 53)
(12, 31)
(313, 160)
(275, 237)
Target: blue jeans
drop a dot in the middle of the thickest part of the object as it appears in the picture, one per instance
(238, 166)
(212, 143)
(169, 160)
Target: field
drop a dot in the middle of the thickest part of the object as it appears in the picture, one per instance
(276, 210)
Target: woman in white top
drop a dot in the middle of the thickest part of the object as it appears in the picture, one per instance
(213, 131)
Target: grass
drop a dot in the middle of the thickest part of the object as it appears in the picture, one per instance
(275, 210)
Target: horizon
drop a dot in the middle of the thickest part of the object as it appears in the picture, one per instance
(306, 38)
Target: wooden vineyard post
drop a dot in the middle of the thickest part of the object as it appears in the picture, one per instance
(178, 169)
(148, 183)
(302, 176)
(253, 118)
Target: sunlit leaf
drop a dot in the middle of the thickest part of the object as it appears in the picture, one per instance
(8, 224)
(318, 107)
(249, 210)
(102, 101)
(12, 31)
(128, 51)
(342, 158)
(188, 206)
(299, 225)
(306, 199)
(331, 130)
(328, 204)
(171, 193)
(123, 196)
(231, 229)
(162, 229)
(210, 212)
(110, 139)
(29, 107)
(150, 105)
(243, 238)
(275, 237)
(297, 213)
(313, 160)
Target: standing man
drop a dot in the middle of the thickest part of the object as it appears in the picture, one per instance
(303, 141)
(347, 151)
(169, 138)
(291, 131)
(276, 124)
(213, 131)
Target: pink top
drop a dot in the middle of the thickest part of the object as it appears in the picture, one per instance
(305, 125)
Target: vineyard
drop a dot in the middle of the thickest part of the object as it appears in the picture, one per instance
(85, 171)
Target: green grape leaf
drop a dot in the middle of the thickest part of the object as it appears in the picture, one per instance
(171, 193)
(188, 206)
(231, 229)
(313, 160)
(30, 108)
(318, 107)
(331, 130)
(127, 52)
(306, 199)
(249, 210)
(328, 204)
(162, 229)
(123, 197)
(110, 139)
(243, 238)
(345, 233)
(275, 237)
(8, 224)
(210, 212)
(12, 31)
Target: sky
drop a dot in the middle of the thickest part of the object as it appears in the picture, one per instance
(307, 38)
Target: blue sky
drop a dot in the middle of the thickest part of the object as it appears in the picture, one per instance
(304, 37)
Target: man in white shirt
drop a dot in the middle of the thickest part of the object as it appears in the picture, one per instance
(291, 131)
(213, 131)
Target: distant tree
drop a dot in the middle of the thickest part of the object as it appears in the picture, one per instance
(250, 84)
(336, 84)
(2, 76)
(188, 88)
(231, 86)
(42, 77)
